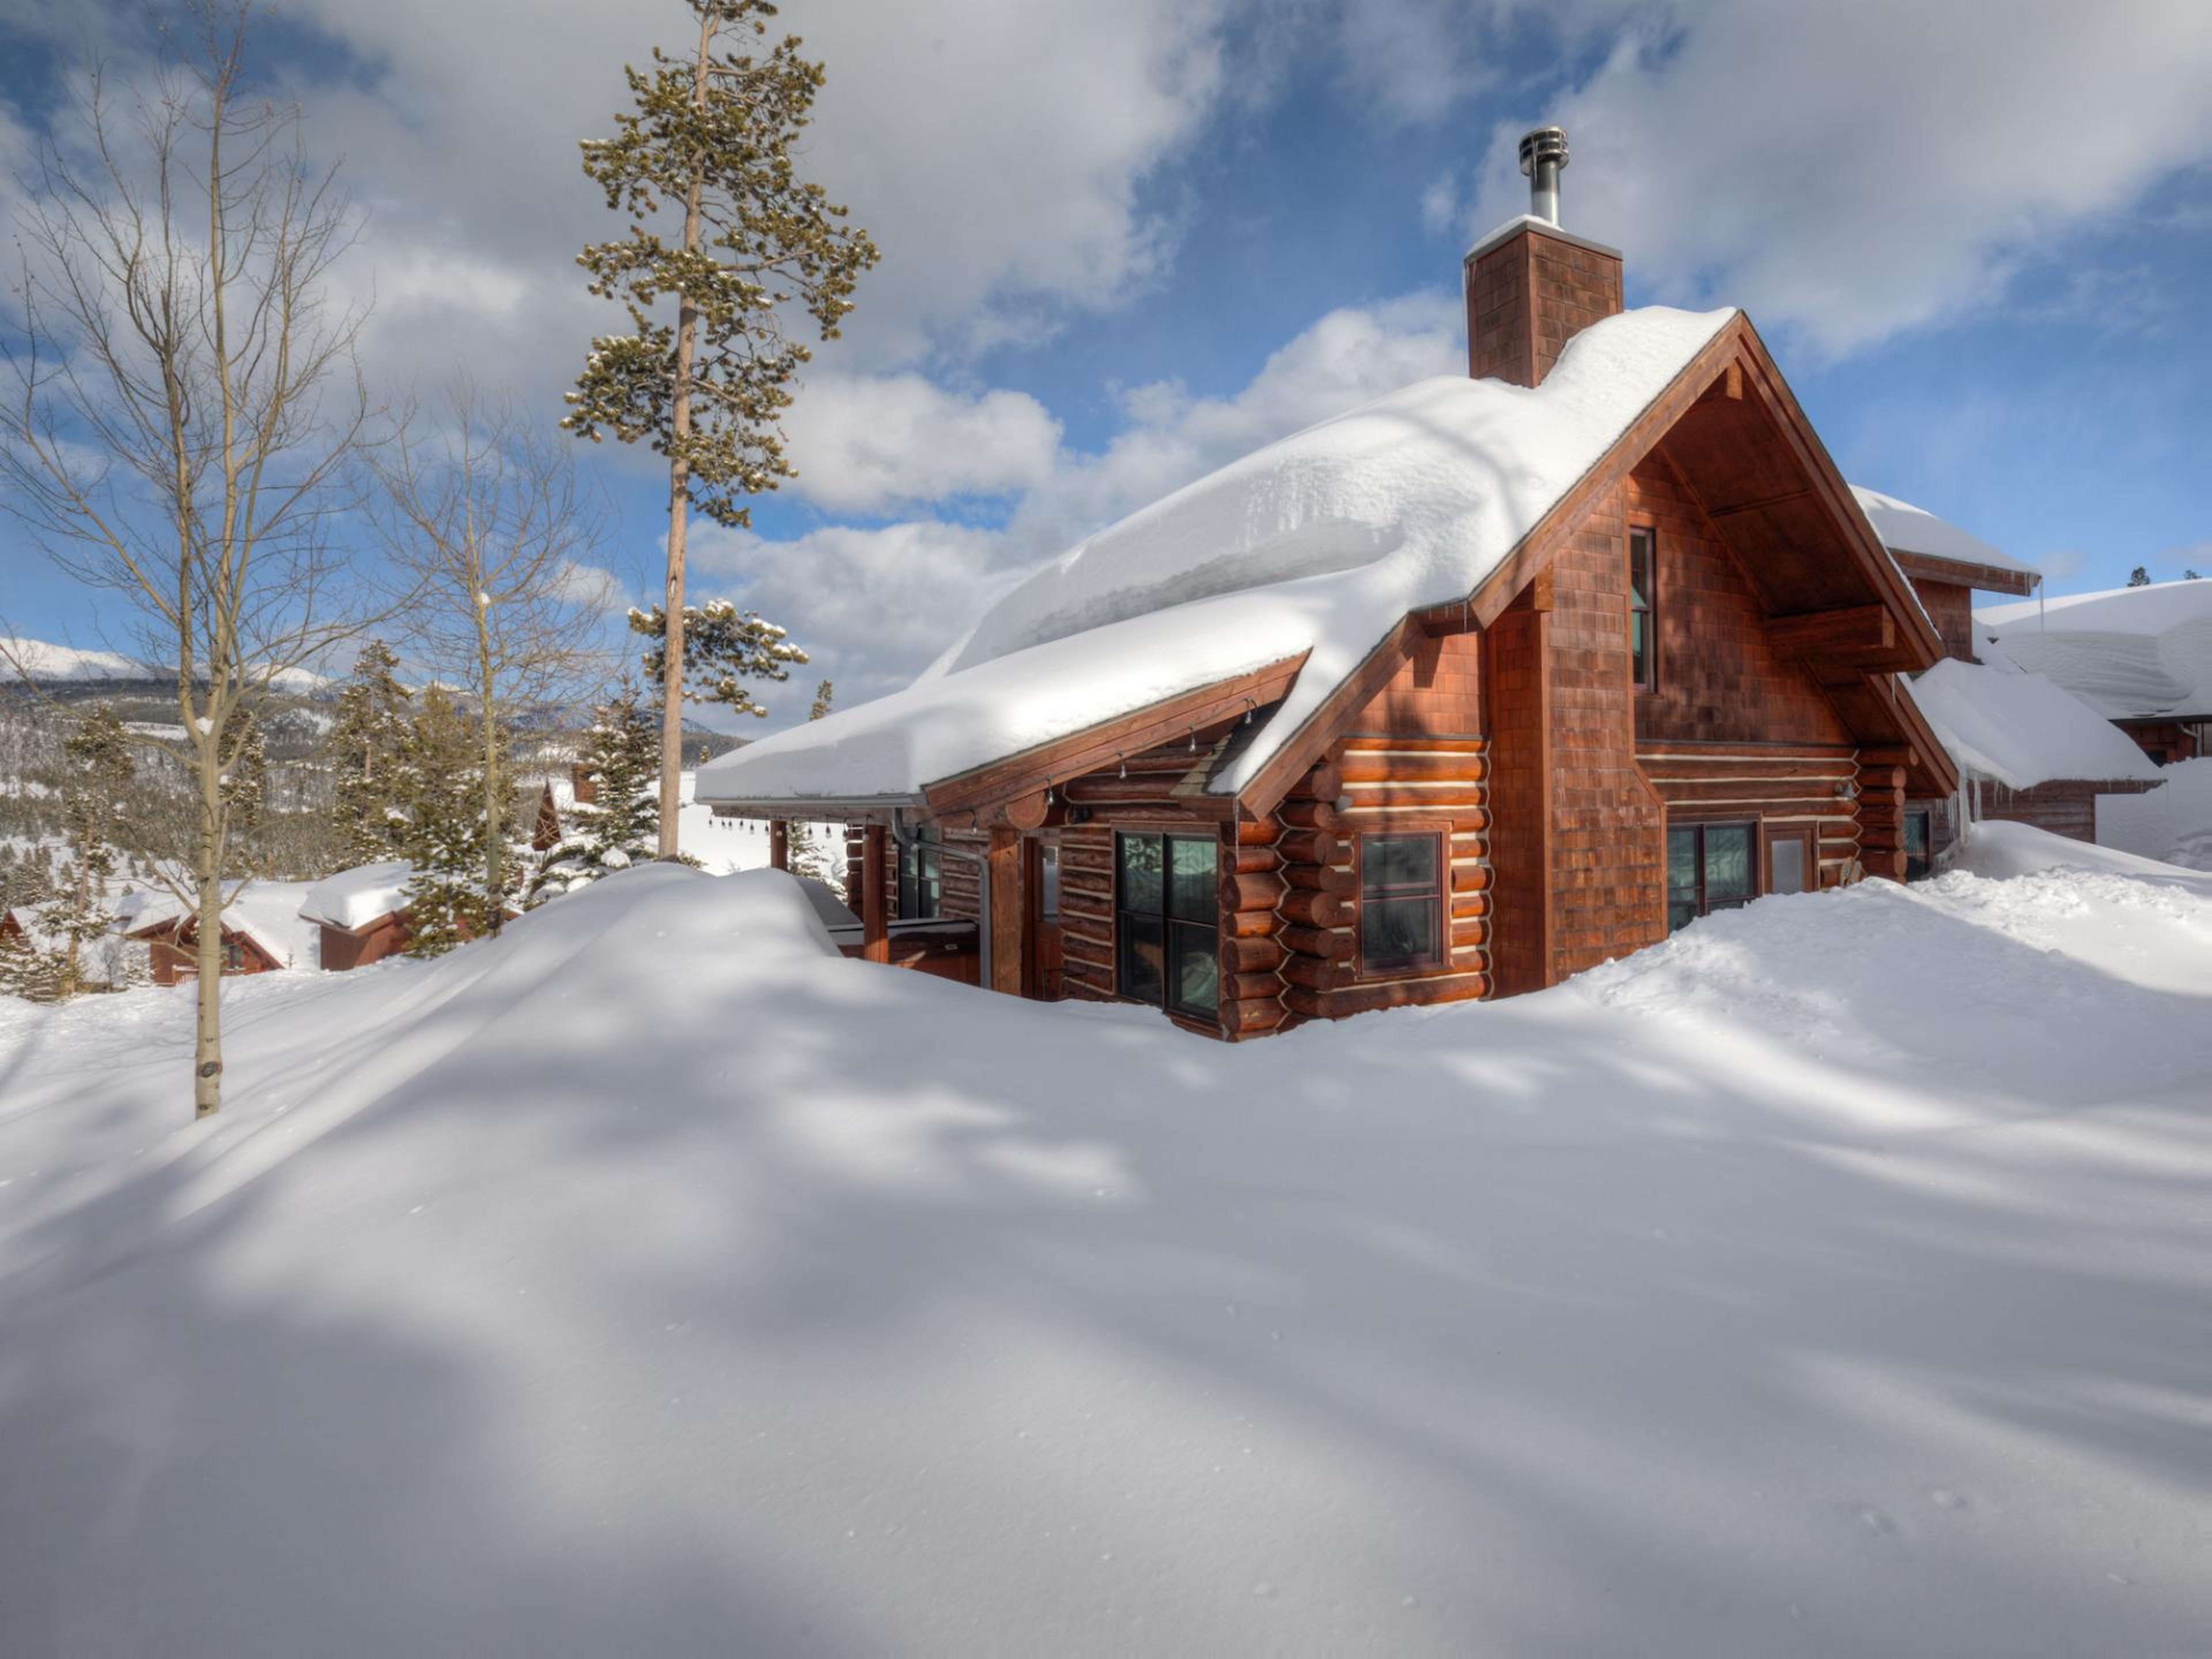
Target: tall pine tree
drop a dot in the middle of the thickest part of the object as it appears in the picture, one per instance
(620, 825)
(366, 742)
(720, 223)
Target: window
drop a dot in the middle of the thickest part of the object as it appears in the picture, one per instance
(1916, 845)
(1710, 866)
(1165, 913)
(920, 876)
(1401, 902)
(1643, 575)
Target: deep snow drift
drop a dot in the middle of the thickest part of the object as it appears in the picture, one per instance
(1833, 1279)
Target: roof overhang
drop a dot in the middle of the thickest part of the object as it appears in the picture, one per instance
(1983, 578)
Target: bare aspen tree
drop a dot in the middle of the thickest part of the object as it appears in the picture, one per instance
(492, 533)
(707, 159)
(181, 406)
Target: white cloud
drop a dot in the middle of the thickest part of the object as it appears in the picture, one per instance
(1855, 171)
(864, 444)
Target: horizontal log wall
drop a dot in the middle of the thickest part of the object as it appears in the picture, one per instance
(1413, 756)
(1086, 911)
(1802, 785)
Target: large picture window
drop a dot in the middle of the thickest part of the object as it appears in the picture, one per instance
(1710, 866)
(1401, 902)
(921, 877)
(1642, 610)
(1166, 932)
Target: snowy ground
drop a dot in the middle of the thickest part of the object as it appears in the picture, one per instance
(1834, 1279)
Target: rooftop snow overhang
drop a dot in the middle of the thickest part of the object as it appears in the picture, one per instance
(1016, 783)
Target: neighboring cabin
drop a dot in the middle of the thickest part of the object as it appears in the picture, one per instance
(262, 931)
(361, 914)
(1451, 697)
(2142, 657)
(2029, 751)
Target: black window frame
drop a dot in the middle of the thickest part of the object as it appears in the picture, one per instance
(1754, 874)
(920, 879)
(1644, 603)
(1400, 892)
(1176, 933)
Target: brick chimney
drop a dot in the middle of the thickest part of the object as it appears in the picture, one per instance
(1532, 286)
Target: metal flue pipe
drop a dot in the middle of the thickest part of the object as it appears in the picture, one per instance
(1543, 157)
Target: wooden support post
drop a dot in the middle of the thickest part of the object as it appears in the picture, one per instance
(779, 844)
(875, 927)
(1009, 914)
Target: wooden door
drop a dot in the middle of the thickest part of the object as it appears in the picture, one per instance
(1791, 860)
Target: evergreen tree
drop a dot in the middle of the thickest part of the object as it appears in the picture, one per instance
(371, 730)
(620, 825)
(722, 647)
(2138, 577)
(823, 695)
(2191, 576)
(27, 971)
(100, 769)
(444, 829)
(711, 138)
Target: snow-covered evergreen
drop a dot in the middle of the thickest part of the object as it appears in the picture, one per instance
(620, 825)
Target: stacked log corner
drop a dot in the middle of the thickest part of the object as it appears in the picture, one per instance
(1371, 785)
(1251, 889)
(1881, 820)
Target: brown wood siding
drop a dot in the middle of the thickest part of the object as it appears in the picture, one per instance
(1720, 678)
(2064, 806)
(1950, 606)
(1608, 849)
(1780, 784)
(1520, 783)
(1086, 911)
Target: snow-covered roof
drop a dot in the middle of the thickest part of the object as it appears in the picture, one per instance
(1318, 544)
(2022, 729)
(354, 898)
(266, 912)
(1904, 528)
(2129, 652)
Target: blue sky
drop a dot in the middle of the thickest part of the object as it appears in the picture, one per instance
(1125, 242)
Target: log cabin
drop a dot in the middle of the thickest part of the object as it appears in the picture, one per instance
(261, 933)
(2028, 750)
(1452, 696)
(2141, 656)
(361, 914)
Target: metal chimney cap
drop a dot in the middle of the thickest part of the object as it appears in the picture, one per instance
(1543, 144)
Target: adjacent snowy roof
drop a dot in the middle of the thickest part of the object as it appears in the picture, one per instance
(1904, 528)
(266, 912)
(1319, 542)
(354, 898)
(2022, 729)
(2129, 652)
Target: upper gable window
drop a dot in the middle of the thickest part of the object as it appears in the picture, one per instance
(1643, 641)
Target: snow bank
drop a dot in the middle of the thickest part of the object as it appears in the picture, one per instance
(2022, 729)
(354, 898)
(1904, 528)
(2001, 850)
(2172, 822)
(2129, 652)
(1829, 1280)
(1319, 542)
